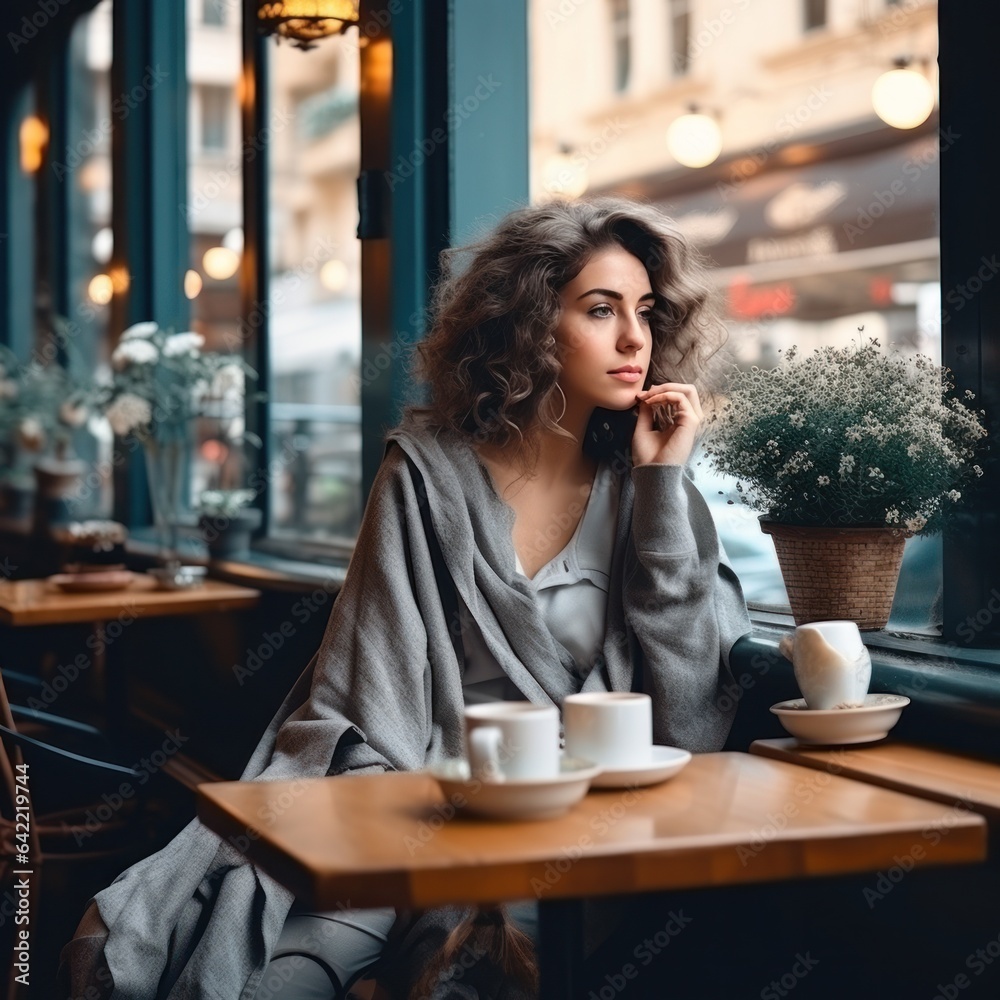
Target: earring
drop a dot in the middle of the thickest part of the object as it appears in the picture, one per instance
(562, 412)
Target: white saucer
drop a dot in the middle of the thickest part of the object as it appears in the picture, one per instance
(834, 726)
(540, 798)
(664, 762)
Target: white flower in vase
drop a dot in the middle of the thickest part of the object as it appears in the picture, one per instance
(140, 331)
(127, 413)
(134, 352)
(179, 344)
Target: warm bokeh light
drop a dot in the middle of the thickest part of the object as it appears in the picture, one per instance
(101, 290)
(694, 140)
(34, 136)
(903, 98)
(233, 240)
(333, 275)
(220, 263)
(103, 245)
(565, 175)
(192, 284)
(119, 279)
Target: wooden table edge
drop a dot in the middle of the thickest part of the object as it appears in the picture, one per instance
(964, 843)
(789, 755)
(166, 609)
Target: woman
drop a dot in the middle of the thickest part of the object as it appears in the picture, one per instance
(531, 533)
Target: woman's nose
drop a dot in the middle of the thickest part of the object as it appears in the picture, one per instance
(632, 336)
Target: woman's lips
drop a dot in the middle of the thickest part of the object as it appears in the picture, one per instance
(627, 376)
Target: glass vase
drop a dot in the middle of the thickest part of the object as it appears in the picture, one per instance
(168, 466)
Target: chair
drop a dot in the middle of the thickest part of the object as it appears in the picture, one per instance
(80, 820)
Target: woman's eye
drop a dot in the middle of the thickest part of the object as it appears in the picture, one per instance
(602, 311)
(646, 315)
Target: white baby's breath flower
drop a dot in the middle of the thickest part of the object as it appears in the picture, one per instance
(915, 523)
(127, 413)
(978, 470)
(140, 331)
(183, 343)
(913, 450)
(823, 480)
(874, 472)
(797, 419)
(954, 495)
(134, 352)
(846, 464)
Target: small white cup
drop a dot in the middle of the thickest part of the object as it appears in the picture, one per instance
(832, 666)
(512, 740)
(613, 728)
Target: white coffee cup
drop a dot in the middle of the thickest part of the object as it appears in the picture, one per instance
(613, 728)
(831, 664)
(512, 740)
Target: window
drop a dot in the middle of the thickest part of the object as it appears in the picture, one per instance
(814, 14)
(213, 12)
(798, 257)
(215, 238)
(680, 36)
(621, 38)
(314, 319)
(216, 107)
(85, 169)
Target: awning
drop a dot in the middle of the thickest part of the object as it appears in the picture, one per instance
(824, 240)
(819, 211)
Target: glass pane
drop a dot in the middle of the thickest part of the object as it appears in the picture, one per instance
(315, 315)
(215, 226)
(85, 166)
(818, 217)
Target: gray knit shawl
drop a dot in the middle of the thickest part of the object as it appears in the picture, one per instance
(385, 692)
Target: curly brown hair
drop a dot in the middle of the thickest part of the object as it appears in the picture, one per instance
(490, 358)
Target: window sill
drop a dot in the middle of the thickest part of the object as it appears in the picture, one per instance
(257, 569)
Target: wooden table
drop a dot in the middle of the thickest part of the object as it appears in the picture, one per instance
(727, 818)
(952, 778)
(38, 602)
(25, 603)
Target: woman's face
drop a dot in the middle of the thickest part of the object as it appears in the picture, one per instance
(603, 335)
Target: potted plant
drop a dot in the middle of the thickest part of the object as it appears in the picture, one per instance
(227, 522)
(161, 381)
(41, 407)
(846, 452)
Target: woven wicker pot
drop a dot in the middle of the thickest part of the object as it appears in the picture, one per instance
(831, 574)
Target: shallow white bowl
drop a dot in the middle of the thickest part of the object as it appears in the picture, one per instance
(834, 726)
(542, 798)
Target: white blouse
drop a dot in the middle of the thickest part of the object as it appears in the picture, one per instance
(572, 594)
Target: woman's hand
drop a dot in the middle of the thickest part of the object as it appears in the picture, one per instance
(672, 445)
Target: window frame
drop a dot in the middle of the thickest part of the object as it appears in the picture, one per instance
(441, 207)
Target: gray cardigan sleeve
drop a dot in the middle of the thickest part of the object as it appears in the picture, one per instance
(370, 702)
(685, 608)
